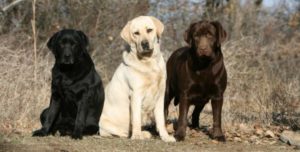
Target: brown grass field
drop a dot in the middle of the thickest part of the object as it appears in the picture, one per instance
(262, 57)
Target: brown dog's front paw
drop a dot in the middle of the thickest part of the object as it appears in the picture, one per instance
(179, 135)
(216, 134)
(219, 137)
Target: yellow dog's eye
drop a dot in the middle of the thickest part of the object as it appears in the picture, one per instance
(149, 30)
(136, 33)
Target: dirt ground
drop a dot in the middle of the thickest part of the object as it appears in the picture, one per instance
(201, 142)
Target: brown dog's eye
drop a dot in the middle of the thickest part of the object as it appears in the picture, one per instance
(208, 35)
(136, 33)
(149, 30)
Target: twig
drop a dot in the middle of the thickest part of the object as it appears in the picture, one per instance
(11, 5)
(34, 37)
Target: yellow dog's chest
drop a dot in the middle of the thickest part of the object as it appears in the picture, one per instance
(153, 90)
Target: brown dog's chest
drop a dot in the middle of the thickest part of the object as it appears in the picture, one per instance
(202, 85)
(201, 91)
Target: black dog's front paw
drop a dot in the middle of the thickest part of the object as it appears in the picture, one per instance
(39, 133)
(76, 135)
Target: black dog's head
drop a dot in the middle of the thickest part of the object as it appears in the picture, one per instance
(68, 45)
(205, 37)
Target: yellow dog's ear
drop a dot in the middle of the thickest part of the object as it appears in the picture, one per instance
(125, 33)
(159, 26)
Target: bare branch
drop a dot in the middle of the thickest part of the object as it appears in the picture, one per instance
(11, 5)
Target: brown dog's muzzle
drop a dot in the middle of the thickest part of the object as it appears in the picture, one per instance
(203, 47)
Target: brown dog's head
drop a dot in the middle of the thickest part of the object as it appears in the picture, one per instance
(205, 37)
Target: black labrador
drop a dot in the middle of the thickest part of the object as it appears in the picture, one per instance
(196, 74)
(77, 94)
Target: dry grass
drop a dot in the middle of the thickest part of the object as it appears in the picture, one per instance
(18, 100)
(263, 80)
(263, 64)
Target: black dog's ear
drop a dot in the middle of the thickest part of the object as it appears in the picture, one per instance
(52, 41)
(84, 39)
(188, 35)
(221, 33)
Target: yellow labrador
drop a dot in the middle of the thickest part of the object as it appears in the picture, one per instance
(135, 95)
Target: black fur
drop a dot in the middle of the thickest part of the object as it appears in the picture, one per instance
(77, 94)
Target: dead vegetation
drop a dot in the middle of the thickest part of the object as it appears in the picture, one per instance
(261, 54)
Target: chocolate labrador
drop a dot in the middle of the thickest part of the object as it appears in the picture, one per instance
(196, 74)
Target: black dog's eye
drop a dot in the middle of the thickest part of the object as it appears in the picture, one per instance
(136, 33)
(149, 30)
(62, 45)
(73, 43)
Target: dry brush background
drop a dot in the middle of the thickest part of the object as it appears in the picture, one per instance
(262, 53)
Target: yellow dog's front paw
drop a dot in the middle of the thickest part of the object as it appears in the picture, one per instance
(168, 139)
(146, 134)
(137, 137)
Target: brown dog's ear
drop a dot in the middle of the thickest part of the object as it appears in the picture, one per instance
(221, 33)
(159, 26)
(125, 33)
(188, 34)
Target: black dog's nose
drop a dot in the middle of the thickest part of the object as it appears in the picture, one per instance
(67, 55)
(67, 58)
(145, 45)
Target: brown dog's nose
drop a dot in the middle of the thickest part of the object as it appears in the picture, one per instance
(203, 48)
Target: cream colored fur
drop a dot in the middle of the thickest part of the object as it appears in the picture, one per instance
(135, 95)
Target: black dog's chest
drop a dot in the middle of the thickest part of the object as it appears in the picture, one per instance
(66, 90)
(67, 94)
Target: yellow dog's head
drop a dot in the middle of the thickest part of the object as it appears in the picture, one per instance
(142, 33)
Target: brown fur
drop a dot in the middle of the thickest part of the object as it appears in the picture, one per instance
(196, 74)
